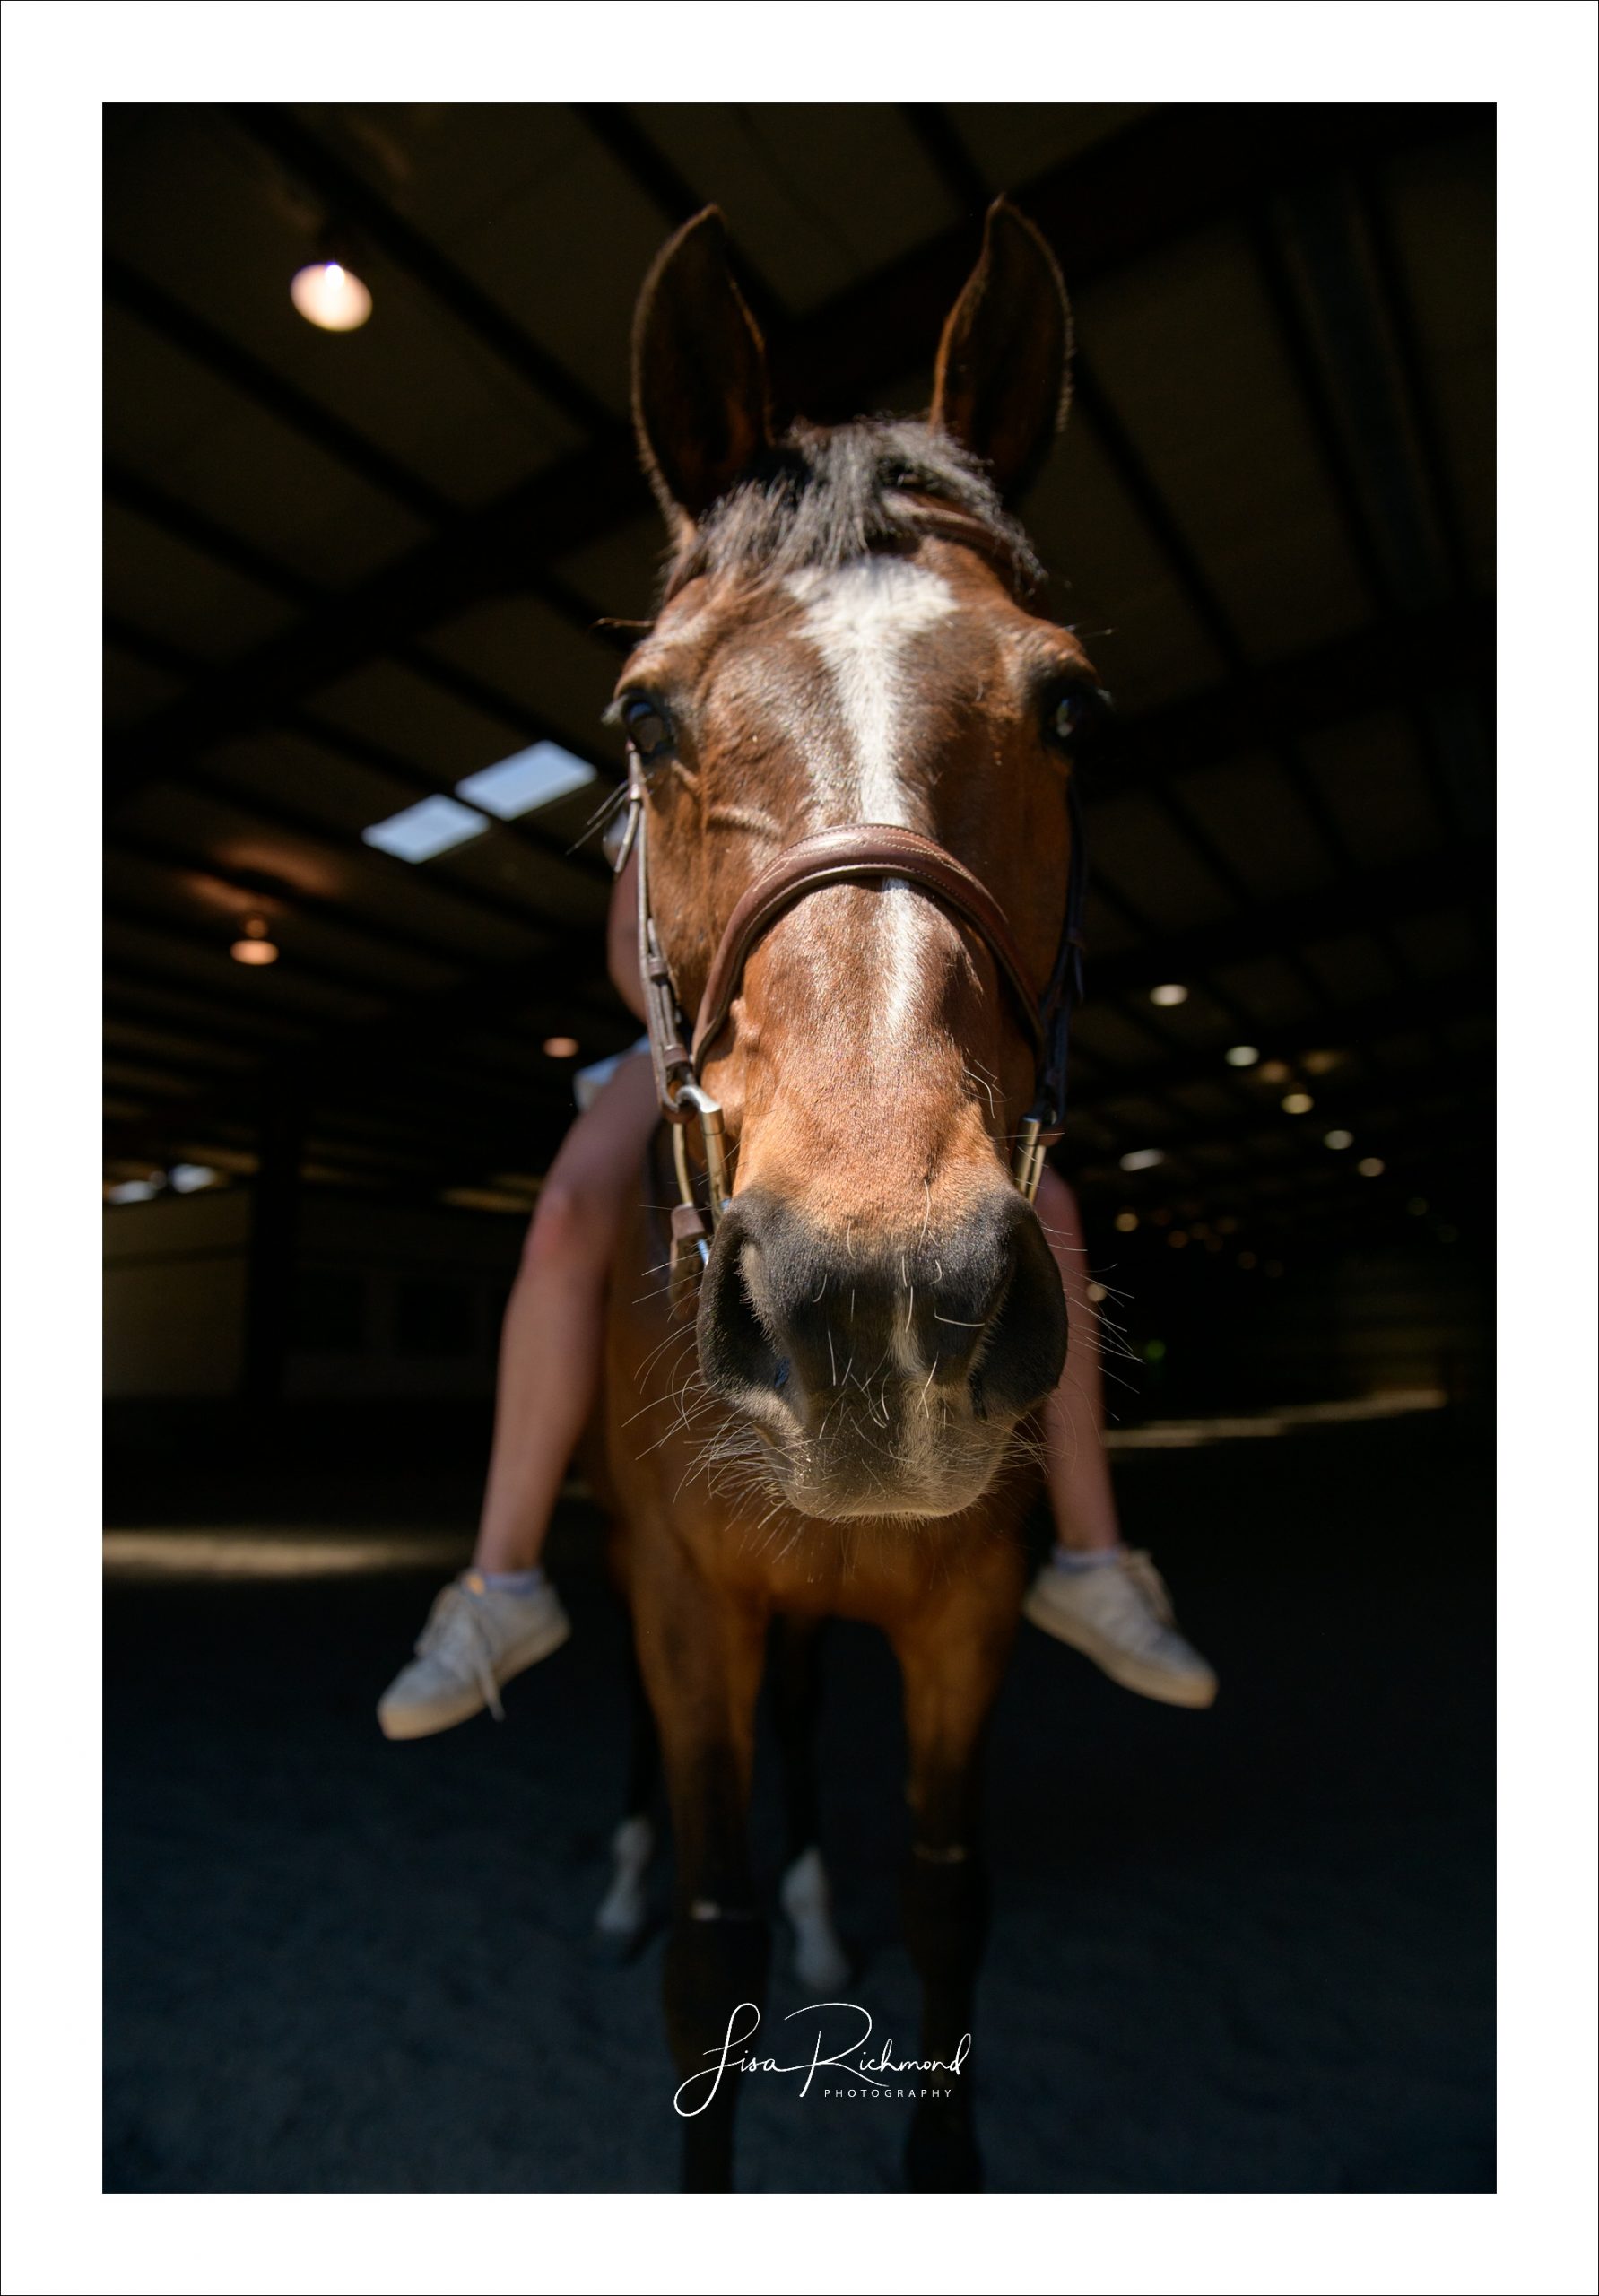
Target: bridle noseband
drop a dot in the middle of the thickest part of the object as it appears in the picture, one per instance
(858, 853)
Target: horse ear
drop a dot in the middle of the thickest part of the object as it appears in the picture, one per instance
(699, 386)
(1003, 381)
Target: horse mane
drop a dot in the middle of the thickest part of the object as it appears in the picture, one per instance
(824, 497)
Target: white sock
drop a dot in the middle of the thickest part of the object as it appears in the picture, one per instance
(1092, 1558)
(512, 1582)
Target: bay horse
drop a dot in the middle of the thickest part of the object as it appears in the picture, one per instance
(850, 736)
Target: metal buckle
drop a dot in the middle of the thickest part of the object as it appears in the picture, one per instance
(688, 1231)
(713, 1143)
(1027, 1170)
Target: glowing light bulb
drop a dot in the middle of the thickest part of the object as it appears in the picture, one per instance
(1297, 1103)
(1371, 1167)
(1169, 992)
(1243, 1056)
(1338, 1138)
(255, 945)
(331, 297)
(560, 1047)
(1127, 1222)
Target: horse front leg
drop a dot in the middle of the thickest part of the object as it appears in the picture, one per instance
(621, 1920)
(701, 1655)
(820, 1961)
(952, 1667)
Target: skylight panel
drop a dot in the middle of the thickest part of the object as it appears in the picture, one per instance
(518, 785)
(431, 827)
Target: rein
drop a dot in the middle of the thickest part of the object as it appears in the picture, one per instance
(861, 852)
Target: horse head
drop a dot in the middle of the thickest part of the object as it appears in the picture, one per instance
(851, 635)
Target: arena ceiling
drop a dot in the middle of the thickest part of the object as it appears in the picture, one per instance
(344, 572)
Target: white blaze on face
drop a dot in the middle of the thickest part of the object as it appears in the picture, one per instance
(861, 619)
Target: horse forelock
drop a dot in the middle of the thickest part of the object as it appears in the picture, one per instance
(824, 499)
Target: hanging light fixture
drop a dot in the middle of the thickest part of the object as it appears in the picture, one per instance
(255, 944)
(330, 293)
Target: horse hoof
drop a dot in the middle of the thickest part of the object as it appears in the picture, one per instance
(622, 1925)
(820, 1961)
(941, 2154)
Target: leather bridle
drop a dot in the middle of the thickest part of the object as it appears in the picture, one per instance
(861, 852)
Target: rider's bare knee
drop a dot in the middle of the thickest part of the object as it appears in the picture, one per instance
(568, 1228)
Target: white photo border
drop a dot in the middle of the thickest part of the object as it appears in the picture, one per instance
(1537, 61)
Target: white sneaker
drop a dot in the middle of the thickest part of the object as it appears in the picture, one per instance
(1119, 1614)
(476, 1638)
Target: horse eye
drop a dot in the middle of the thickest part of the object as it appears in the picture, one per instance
(1074, 712)
(649, 729)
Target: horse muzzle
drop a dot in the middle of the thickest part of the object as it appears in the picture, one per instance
(885, 1377)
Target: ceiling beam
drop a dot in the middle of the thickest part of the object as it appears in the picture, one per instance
(1397, 303)
(1390, 896)
(209, 347)
(945, 152)
(1384, 666)
(673, 197)
(150, 996)
(200, 533)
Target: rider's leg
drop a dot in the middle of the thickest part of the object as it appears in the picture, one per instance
(502, 1614)
(1074, 1416)
(1094, 1594)
(550, 1343)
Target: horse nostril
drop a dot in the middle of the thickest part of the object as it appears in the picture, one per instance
(736, 1353)
(1024, 1346)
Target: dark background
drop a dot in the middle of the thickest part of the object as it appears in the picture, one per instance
(341, 573)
